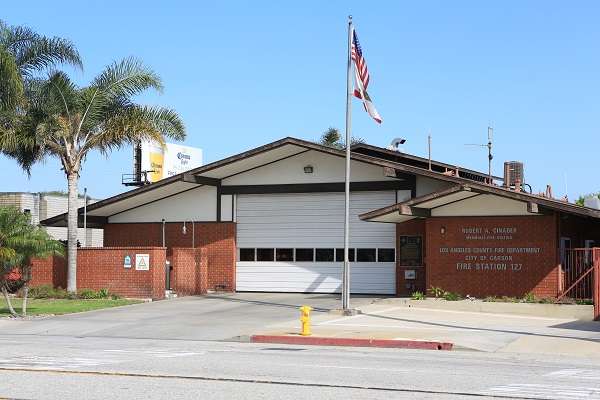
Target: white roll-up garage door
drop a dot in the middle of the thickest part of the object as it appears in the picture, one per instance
(275, 232)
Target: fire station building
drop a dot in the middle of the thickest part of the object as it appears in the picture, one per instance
(271, 220)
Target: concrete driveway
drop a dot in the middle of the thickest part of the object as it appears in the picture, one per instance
(212, 317)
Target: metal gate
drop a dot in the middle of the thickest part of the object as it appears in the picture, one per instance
(580, 277)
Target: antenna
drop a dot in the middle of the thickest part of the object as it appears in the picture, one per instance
(429, 148)
(489, 146)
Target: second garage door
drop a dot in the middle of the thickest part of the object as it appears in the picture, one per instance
(294, 243)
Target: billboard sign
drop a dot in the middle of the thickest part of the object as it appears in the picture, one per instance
(171, 160)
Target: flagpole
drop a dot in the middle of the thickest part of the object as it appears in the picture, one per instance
(346, 274)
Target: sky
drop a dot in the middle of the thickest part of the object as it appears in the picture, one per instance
(245, 73)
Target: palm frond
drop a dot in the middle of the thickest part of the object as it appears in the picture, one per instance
(11, 83)
(128, 77)
(33, 51)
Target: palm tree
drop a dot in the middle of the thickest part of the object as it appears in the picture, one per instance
(67, 122)
(19, 243)
(332, 138)
(23, 53)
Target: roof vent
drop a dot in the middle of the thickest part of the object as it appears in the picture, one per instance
(396, 143)
(592, 202)
(514, 176)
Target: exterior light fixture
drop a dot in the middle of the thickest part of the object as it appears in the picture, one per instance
(443, 230)
(308, 169)
(184, 231)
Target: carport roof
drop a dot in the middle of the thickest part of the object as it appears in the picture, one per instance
(421, 207)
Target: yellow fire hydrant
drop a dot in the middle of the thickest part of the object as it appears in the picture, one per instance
(305, 320)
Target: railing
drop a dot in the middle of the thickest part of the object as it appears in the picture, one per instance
(580, 277)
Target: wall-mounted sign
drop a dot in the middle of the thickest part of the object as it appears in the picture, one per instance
(127, 262)
(410, 274)
(487, 247)
(142, 262)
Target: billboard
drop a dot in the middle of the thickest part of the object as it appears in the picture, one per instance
(171, 160)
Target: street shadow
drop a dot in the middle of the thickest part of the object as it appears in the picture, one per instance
(586, 326)
(294, 305)
(470, 328)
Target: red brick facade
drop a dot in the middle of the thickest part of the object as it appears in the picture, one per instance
(217, 239)
(103, 268)
(99, 268)
(502, 256)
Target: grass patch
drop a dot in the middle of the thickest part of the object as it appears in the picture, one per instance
(62, 306)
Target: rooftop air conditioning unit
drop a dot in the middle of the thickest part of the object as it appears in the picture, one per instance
(513, 174)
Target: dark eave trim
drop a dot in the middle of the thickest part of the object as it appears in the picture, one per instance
(317, 187)
(200, 180)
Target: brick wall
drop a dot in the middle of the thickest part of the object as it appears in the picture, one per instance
(189, 271)
(49, 271)
(217, 239)
(102, 267)
(453, 270)
(404, 287)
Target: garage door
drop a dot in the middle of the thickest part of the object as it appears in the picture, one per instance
(294, 243)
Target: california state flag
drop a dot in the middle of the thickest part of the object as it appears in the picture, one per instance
(361, 81)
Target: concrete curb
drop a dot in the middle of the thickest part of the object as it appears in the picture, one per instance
(352, 342)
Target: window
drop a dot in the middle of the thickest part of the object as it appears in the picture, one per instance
(325, 255)
(411, 251)
(365, 255)
(284, 255)
(386, 255)
(265, 254)
(339, 255)
(305, 255)
(247, 255)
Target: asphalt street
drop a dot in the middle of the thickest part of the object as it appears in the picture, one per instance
(193, 348)
(37, 367)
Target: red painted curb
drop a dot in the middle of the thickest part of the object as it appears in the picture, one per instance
(352, 342)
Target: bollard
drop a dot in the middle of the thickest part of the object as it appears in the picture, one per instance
(305, 320)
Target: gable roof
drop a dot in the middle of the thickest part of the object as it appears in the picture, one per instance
(211, 174)
(420, 207)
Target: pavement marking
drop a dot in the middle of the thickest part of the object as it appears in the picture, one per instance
(544, 391)
(53, 362)
(276, 382)
(577, 373)
(159, 353)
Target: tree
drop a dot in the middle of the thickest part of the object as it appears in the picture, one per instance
(332, 138)
(65, 121)
(581, 199)
(23, 54)
(20, 242)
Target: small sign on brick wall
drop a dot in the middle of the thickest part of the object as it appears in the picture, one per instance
(142, 262)
(127, 262)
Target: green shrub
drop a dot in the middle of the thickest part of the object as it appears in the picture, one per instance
(529, 298)
(87, 294)
(436, 291)
(451, 296)
(418, 296)
(490, 299)
(103, 294)
(47, 292)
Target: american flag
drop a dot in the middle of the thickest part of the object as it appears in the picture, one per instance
(362, 79)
